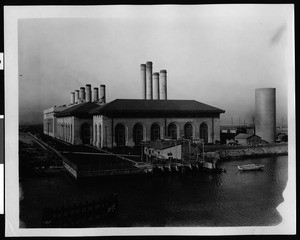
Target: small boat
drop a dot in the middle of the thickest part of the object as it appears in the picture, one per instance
(251, 167)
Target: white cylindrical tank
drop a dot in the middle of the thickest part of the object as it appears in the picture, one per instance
(76, 96)
(88, 93)
(156, 85)
(95, 94)
(72, 98)
(265, 113)
(149, 94)
(163, 84)
(102, 94)
(143, 80)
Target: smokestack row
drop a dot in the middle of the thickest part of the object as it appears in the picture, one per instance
(85, 95)
(154, 85)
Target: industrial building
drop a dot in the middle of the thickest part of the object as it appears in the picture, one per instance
(131, 122)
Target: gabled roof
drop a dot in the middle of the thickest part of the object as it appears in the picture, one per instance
(244, 136)
(141, 106)
(79, 110)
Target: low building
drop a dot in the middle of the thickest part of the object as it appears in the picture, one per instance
(50, 121)
(74, 124)
(248, 139)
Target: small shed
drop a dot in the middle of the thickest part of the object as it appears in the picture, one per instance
(248, 139)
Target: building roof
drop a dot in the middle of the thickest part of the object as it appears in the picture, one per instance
(164, 144)
(244, 136)
(79, 110)
(163, 107)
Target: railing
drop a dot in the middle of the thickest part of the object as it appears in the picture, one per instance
(80, 214)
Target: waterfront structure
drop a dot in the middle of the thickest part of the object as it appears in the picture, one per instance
(265, 113)
(247, 139)
(131, 122)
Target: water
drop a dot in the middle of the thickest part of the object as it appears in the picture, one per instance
(200, 199)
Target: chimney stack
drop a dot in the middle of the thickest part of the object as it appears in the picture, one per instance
(156, 85)
(102, 94)
(95, 95)
(72, 98)
(149, 92)
(143, 80)
(163, 84)
(76, 96)
(82, 94)
(88, 96)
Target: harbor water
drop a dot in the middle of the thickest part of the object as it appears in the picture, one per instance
(234, 198)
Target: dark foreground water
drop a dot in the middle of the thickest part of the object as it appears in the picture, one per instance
(200, 199)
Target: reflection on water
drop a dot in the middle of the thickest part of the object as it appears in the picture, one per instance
(233, 198)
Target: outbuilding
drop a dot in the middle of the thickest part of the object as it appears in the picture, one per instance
(248, 139)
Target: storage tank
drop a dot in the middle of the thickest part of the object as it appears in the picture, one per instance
(265, 113)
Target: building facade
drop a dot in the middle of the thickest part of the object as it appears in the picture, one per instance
(129, 122)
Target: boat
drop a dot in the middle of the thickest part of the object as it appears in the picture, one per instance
(251, 167)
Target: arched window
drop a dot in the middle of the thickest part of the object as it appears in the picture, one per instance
(120, 135)
(172, 130)
(188, 131)
(155, 132)
(137, 133)
(204, 132)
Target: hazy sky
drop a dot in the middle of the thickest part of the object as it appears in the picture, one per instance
(217, 55)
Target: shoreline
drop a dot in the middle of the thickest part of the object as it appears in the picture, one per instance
(245, 153)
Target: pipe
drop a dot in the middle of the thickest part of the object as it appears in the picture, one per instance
(149, 94)
(102, 94)
(95, 94)
(72, 98)
(143, 80)
(88, 93)
(76, 96)
(156, 85)
(163, 84)
(82, 94)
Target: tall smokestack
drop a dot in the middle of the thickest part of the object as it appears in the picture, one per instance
(82, 94)
(156, 85)
(76, 96)
(95, 95)
(88, 91)
(143, 80)
(163, 84)
(72, 98)
(149, 94)
(102, 94)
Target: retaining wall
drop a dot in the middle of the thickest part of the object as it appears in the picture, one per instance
(246, 153)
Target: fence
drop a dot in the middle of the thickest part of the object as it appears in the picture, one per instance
(80, 214)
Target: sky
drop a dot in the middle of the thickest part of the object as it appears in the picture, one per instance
(215, 54)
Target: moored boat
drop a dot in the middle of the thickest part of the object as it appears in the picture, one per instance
(251, 167)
